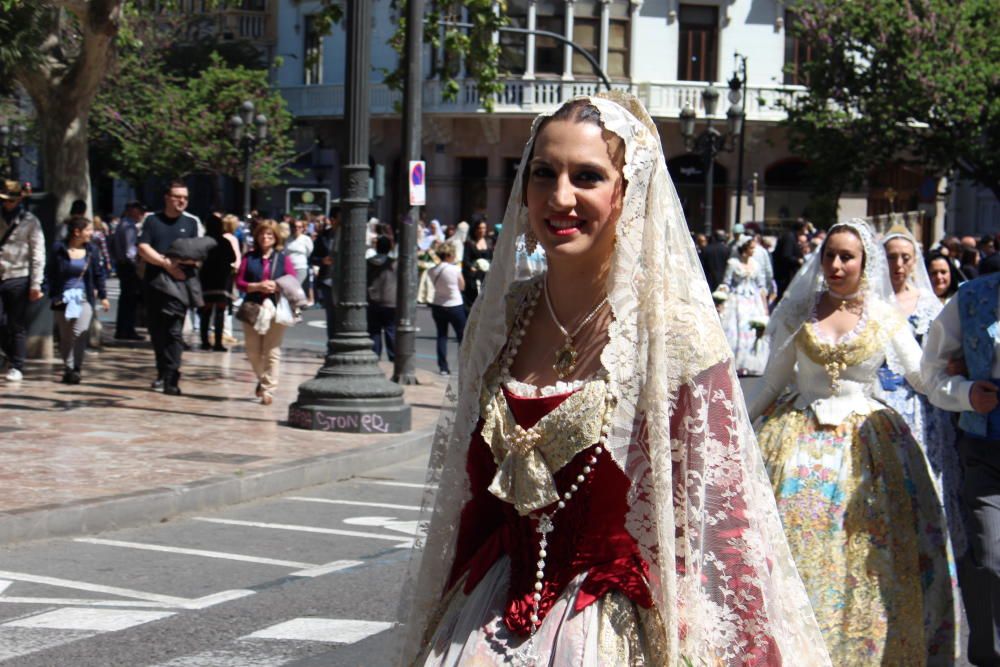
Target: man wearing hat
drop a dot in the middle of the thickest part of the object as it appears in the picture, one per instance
(124, 253)
(22, 267)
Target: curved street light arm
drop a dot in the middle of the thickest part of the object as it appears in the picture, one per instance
(545, 33)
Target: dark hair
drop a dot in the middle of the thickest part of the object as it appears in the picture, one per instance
(800, 225)
(970, 255)
(75, 223)
(952, 276)
(175, 183)
(577, 111)
(720, 235)
(383, 244)
(78, 207)
(213, 226)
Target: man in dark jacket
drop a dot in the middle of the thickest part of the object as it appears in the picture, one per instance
(324, 256)
(788, 256)
(125, 254)
(714, 257)
(382, 298)
(166, 328)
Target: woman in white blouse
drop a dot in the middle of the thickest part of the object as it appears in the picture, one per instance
(447, 306)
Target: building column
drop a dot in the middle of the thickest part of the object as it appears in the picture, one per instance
(461, 62)
(633, 36)
(529, 43)
(602, 58)
(568, 50)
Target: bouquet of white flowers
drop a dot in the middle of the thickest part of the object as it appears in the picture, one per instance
(720, 296)
(483, 264)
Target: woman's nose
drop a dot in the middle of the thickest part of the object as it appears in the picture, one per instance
(563, 195)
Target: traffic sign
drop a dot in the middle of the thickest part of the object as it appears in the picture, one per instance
(418, 183)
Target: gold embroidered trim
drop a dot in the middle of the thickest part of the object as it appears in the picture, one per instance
(837, 357)
(527, 459)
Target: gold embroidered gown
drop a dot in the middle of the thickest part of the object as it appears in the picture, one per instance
(855, 496)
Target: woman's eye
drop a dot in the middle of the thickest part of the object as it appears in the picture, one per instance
(590, 176)
(541, 172)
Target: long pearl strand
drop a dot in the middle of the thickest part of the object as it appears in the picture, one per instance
(545, 523)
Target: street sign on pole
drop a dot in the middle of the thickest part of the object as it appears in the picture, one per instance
(301, 201)
(418, 183)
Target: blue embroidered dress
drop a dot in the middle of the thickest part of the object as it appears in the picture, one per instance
(933, 429)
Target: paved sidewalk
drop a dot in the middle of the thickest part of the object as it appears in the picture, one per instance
(112, 452)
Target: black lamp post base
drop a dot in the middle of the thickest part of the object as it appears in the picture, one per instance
(365, 416)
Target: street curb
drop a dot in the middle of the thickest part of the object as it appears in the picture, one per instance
(162, 503)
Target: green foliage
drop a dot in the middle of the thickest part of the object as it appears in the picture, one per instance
(147, 121)
(474, 46)
(917, 80)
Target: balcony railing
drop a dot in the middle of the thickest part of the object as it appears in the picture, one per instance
(663, 100)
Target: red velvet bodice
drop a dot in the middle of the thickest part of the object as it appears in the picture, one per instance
(589, 534)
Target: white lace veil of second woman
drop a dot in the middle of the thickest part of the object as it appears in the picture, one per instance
(928, 305)
(797, 305)
(700, 505)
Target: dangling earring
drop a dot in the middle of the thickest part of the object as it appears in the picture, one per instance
(530, 242)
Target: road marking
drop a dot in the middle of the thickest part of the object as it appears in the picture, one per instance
(4, 585)
(304, 529)
(356, 503)
(335, 566)
(196, 552)
(387, 522)
(408, 485)
(330, 630)
(81, 602)
(166, 600)
(94, 620)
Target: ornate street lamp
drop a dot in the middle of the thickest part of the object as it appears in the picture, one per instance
(249, 132)
(350, 393)
(12, 139)
(711, 142)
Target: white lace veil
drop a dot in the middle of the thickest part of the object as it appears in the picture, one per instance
(700, 505)
(928, 305)
(797, 304)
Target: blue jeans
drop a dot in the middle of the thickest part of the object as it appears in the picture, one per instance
(382, 320)
(443, 316)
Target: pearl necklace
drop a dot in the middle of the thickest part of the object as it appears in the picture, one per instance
(526, 653)
(566, 355)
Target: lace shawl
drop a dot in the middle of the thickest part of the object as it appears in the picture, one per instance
(700, 505)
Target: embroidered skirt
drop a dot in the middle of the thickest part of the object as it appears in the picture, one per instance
(934, 430)
(750, 351)
(611, 631)
(868, 535)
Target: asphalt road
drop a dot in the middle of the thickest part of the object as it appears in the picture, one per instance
(308, 579)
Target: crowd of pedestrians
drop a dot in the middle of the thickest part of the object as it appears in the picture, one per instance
(177, 273)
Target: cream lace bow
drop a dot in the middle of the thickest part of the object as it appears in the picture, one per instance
(527, 458)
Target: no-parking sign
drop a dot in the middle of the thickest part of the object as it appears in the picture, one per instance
(418, 183)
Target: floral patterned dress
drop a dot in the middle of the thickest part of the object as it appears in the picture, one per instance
(746, 285)
(933, 428)
(856, 498)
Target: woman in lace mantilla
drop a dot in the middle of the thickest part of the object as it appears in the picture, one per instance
(854, 491)
(600, 497)
(933, 428)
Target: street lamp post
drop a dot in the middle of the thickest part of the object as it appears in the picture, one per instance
(249, 132)
(11, 145)
(710, 142)
(350, 393)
